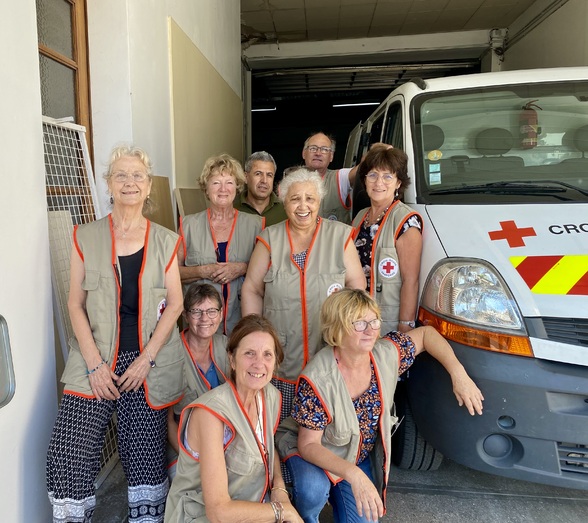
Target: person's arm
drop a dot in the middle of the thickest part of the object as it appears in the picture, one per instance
(101, 376)
(279, 492)
(224, 272)
(253, 289)
(409, 247)
(205, 436)
(354, 276)
(172, 430)
(367, 499)
(465, 390)
(194, 272)
(137, 371)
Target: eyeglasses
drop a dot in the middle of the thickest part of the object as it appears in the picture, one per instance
(197, 313)
(316, 149)
(122, 177)
(386, 178)
(361, 325)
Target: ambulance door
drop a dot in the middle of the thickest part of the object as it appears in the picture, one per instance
(352, 153)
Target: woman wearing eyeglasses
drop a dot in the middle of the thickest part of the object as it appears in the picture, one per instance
(388, 238)
(218, 242)
(205, 357)
(125, 297)
(337, 442)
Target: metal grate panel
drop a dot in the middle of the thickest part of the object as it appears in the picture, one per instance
(573, 458)
(71, 200)
(573, 331)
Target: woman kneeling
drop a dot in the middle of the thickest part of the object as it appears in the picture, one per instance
(337, 442)
(227, 467)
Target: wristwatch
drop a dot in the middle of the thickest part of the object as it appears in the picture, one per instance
(411, 323)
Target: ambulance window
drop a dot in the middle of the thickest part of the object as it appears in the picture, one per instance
(393, 128)
(376, 129)
(7, 383)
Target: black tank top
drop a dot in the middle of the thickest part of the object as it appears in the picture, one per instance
(130, 267)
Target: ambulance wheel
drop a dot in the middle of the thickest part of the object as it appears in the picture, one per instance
(410, 451)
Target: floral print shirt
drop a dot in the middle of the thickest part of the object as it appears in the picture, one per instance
(309, 412)
(365, 239)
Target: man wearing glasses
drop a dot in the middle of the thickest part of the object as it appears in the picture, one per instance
(318, 154)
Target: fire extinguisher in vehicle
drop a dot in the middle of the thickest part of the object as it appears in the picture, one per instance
(529, 125)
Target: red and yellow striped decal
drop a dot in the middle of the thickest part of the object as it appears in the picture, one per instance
(554, 274)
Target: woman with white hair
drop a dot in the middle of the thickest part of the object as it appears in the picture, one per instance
(294, 267)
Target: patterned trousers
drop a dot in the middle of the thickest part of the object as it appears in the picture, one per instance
(73, 458)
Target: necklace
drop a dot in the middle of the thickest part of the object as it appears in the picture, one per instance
(259, 426)
(129, 229)
(367, 221)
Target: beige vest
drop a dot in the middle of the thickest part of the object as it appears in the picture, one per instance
(386, 280)
(293, 297)
(249, 469)
(200, 248)
(196, 383)
(333, 207)
(95, 242)
(342, 435)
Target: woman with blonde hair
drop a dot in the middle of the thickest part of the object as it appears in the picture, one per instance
(337, 443)
(218, 242)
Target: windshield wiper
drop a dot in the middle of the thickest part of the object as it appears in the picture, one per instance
(524, 188)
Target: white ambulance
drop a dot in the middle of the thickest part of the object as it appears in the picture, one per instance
(499, 170)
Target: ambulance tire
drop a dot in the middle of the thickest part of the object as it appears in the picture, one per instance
(410, 451)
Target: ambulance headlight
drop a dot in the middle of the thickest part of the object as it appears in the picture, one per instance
(471, 292)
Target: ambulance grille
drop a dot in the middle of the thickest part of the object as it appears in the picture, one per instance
(573, 331)
(573, 458)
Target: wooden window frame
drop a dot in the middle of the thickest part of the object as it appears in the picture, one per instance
(79, 65)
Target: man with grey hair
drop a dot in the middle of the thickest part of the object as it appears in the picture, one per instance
(318, 154)
(258, 196)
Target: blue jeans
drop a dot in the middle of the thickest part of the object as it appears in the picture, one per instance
(311, 488)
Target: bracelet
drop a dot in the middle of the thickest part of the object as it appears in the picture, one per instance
(282, 489)
(410, 323)
(88, 372)
(151, 360)
(280, 511)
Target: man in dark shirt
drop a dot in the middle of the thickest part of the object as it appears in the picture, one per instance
(258, 196)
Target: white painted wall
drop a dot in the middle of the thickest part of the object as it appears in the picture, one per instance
(25, 284)
(560, 40)
(130, 69)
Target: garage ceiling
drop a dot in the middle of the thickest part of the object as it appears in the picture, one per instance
(358, 50)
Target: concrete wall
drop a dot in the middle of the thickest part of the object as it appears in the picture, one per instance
(131, 75)
(560, 40)
(25, 283)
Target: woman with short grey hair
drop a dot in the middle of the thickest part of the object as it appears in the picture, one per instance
(295, 265)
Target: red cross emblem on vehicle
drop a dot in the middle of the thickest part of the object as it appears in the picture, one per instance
(512, 234)
(388, 267)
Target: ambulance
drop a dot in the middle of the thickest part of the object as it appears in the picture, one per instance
(499, 170)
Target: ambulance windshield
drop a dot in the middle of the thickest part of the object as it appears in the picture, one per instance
(506, 144)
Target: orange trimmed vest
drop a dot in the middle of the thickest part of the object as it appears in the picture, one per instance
(200, 248)
(293, 297)
(386, 281)
(342, 435)
(249, 468)
(95, 244)
(196, 383)
(333, 206)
